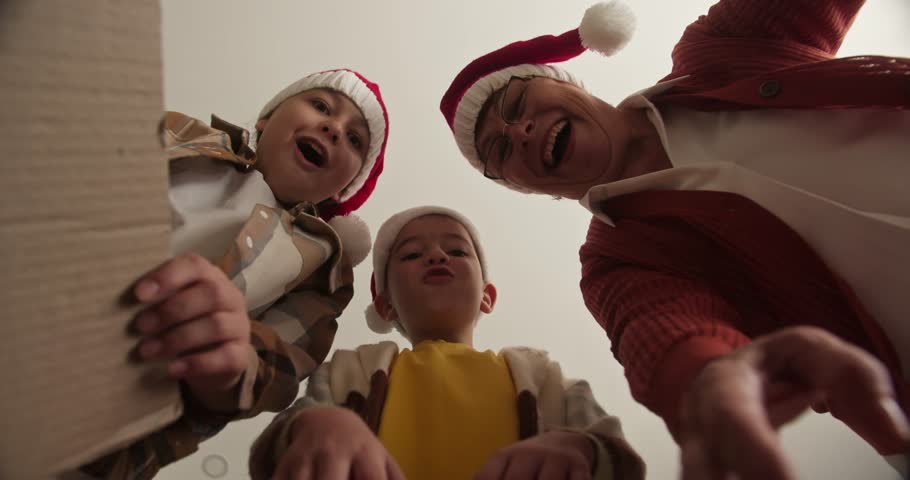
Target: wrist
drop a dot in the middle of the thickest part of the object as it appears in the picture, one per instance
(329, 414)
(221, 398)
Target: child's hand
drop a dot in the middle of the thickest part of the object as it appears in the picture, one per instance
(197, 317)
(333, 443)
(552, 455)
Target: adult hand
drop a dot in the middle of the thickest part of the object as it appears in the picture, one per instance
(732, 411)
(196, 317)
(552, 455)
(333, 443)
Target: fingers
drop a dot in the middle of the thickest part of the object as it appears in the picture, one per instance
(495, 468)
(578, 473)
(194, 300)
(335, 443)
(369, 464)
(196, 334)
(856, 387)
(523, 467)
(787, 400)
(226, 361)
(553, 468)
(747, 429)
(393, 471)
(171, 276)
(293, 467)
(186, 287)
(697, 463)
(737, 402)
(725, 416)
(332, 467)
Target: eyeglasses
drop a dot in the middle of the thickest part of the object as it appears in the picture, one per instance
(511, 106)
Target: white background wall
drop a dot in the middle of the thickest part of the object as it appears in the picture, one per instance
(229, 57)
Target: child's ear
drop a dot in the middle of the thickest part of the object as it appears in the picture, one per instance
(260, 124)
(488, 301)
(385, 308)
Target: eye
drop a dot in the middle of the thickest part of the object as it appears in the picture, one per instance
(513, 100)
(355, 140)
(512, 112)
(410, 256)
(458, 253)
(320, 105)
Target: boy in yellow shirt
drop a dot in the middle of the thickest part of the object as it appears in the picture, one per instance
(441, 410)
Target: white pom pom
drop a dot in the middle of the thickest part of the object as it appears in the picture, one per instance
(607, 27)
(376, 322)
(355, 236)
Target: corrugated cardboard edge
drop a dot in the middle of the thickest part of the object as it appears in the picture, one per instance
(83, 213)
(122, 437)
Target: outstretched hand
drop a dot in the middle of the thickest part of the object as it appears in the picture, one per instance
(737, 403)
(551, 455)
(333, 443)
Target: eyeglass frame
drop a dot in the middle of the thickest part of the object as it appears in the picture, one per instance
(506, 123)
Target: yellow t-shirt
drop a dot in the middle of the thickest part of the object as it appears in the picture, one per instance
(449, 408)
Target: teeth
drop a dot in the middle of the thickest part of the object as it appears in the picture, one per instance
(551, 141)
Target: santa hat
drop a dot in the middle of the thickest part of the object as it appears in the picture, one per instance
(355, 237)
(605, 28)
(382, 247)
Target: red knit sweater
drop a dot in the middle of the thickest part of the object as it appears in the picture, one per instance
(686, 276)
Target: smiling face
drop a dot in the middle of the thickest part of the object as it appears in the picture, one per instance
(560, 139)
(434, 284)
(312, 146)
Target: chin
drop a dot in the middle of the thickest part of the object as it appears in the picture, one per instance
(445, 315)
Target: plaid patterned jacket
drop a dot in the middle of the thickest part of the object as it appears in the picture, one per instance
(546, 401)
(293, 315)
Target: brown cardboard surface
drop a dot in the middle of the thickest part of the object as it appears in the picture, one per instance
(83, 212)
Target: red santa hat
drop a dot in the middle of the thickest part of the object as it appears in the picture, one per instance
(382, 247)
(354, 234)
(605, 28)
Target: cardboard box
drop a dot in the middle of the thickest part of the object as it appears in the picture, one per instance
(83, 213)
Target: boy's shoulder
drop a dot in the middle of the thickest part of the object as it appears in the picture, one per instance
(374, 355)
(185, 136)
(527, 361)
(353, 370)
(179, 128)
(526, 352)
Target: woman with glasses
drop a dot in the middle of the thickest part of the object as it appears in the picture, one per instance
(748, 252)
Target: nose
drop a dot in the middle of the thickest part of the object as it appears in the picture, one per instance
(437, 257)
(519, 131)
(331, 130)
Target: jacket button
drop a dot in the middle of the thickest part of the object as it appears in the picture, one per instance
(769, 88)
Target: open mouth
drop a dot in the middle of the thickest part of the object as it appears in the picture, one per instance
(557, 144)
(311, 152)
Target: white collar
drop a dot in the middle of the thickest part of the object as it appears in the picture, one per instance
(598, 193)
